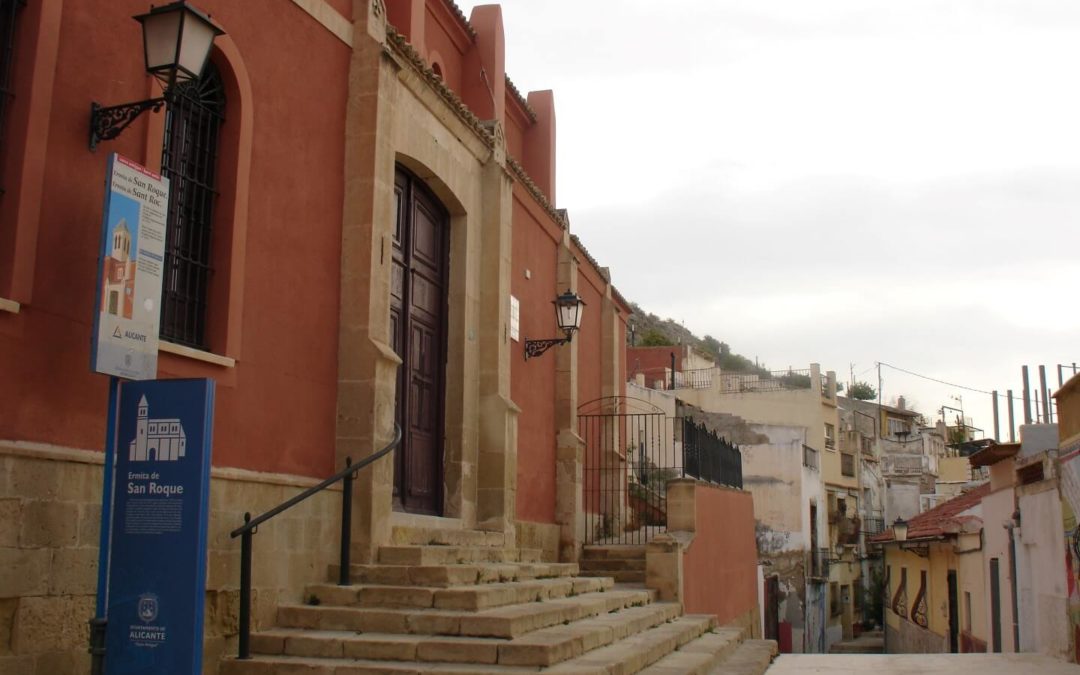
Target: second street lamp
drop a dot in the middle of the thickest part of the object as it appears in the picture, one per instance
(568, 309)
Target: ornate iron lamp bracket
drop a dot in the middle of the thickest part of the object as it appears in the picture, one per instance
(537, 347)
(107, 123)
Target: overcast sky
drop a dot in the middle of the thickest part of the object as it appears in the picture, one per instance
(840, 181)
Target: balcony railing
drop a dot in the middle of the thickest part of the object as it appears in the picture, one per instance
(661, 378)
(778, 380)
(905, 465)
(819, 562)
(873, 525)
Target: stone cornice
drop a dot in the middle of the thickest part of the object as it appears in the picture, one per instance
(400, 46)
(519, 172)
(604, 274)
(521, 100)
(460, 16)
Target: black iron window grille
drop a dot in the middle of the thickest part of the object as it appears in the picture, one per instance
(847, 464)
(918, 610)
(9, 15)
(899, 603)
(193, 119)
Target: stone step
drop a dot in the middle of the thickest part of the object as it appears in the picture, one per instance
(612, 564)
(473, 598)
(432, 536)
(616, 551)
(753, 657)
(699, 656)
(297, 665)
(450, 555)
(620, 576)
(543, 647)
(508, 621)
(639, 651)
(443, 576)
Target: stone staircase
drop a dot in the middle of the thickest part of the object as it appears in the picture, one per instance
(454, 601)
(623, 563)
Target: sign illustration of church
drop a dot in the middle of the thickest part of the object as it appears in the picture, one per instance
(160, 440)
(118, 275)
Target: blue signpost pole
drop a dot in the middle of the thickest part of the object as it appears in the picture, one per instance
(98, 623)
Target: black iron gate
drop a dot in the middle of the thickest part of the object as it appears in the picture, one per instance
(632, 448)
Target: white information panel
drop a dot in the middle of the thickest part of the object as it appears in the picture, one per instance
(130, 265)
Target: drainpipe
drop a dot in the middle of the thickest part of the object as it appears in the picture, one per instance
(1011, 526)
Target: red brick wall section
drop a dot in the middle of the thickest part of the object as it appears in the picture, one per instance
(652, 361)
(532, 383)
(720, 567)
(276, 408)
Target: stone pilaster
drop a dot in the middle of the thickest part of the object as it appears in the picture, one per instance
(367, 364)
(568, 458)
(497, 457)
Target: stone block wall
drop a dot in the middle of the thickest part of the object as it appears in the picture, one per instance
(907, 638)
(50, 512)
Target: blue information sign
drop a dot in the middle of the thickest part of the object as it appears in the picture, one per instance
(155, 566)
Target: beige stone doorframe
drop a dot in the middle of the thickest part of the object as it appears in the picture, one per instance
(398, 112)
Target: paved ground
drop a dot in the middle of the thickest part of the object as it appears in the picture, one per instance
(919, 664)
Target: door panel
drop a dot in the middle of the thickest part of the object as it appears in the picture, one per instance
(418, 325)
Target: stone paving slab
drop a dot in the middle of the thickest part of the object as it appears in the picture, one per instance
(920, 664)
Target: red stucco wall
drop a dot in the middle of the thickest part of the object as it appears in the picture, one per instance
(720, 567)
(652, 361)
(276, 408)
(590, 354)
(532, 382)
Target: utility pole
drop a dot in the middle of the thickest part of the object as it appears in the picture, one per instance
(1027, 395)
(880, 426)
(1012, 421)
(997, 428)
(1043, 389)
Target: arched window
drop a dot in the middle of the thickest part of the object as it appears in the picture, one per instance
(189, 160)
(9, 14)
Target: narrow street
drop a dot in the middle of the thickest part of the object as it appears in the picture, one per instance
(920, 664)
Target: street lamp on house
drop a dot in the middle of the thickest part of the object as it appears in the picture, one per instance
(177, 39)
(568, 309)
(900, 530)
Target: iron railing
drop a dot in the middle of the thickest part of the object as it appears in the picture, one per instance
(709, 457)
(873, 525)
(661, 378)
(632, 449)
(777, 380)
(819, 562)
(250, 527)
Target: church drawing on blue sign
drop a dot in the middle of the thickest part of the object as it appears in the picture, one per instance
(160, 440)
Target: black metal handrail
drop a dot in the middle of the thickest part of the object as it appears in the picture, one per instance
(250, 526)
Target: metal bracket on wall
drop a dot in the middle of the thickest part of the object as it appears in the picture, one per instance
(107, 123)
(535, 348)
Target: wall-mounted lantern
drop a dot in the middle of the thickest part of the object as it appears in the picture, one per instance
(568, 309)
(900, 530)
(176, 46)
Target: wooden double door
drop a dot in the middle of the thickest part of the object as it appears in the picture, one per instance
(418, 316)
